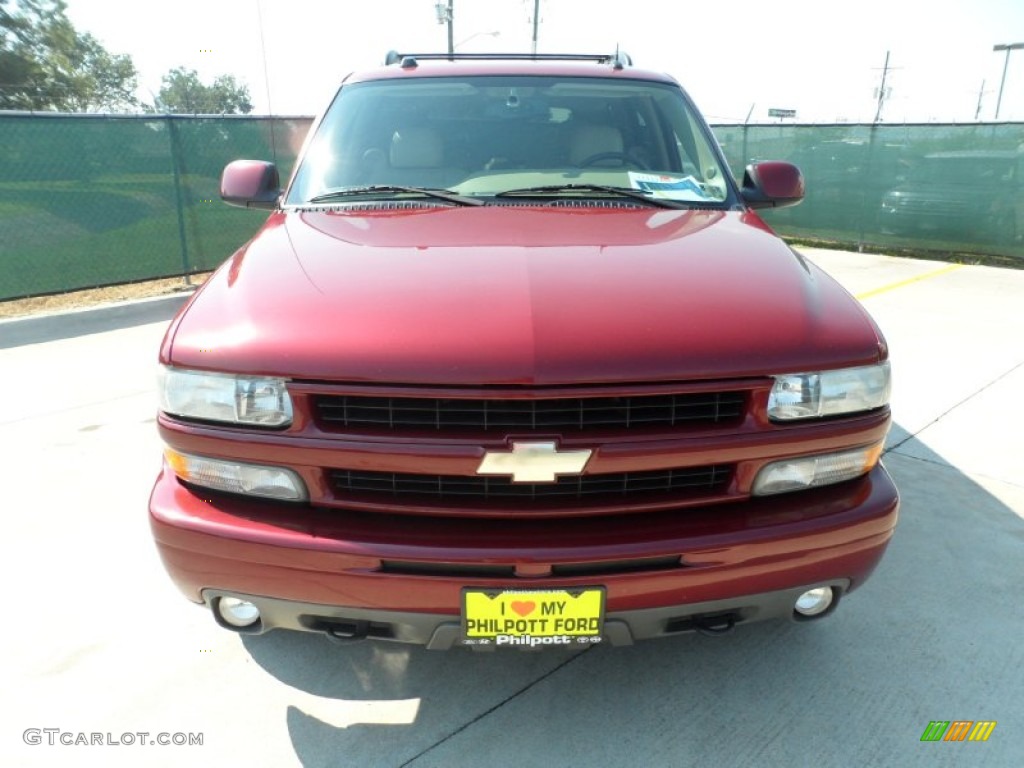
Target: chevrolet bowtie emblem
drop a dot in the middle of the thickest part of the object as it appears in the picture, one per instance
(534, 462)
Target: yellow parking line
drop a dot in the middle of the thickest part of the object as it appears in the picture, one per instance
(908, 281)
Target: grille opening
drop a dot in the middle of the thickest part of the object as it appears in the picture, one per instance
(355, 412)
(352, 629)
(643, 565)
(690, 481)
(470, 570)
(712, 623)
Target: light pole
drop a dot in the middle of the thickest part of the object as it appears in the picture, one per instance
(1004, 47)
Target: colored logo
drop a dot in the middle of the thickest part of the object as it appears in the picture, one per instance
(958, 730)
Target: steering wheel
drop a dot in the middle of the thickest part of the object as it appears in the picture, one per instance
(625, 157)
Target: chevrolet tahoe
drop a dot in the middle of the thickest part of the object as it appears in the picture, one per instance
(515, 362)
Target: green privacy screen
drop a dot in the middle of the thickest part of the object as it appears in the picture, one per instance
(88, 201)
(942, 188)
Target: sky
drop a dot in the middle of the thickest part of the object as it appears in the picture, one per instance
(740, 58)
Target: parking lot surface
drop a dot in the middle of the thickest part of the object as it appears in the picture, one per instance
(103, 659)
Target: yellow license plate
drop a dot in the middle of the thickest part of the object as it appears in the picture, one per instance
(532, 617)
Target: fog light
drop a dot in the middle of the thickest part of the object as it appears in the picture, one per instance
(238, 613)
(814, 602)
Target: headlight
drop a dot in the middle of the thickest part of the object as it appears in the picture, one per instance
(237, 477)
(829, 393)
(815, 471)
(256, 400)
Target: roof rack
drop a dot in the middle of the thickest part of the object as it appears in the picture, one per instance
(618, 60)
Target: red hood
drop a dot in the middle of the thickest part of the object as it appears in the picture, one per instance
(518, 295)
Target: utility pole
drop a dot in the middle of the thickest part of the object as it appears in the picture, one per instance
(881, 90)
(451, 31)
(1005, 47)
(981, 92)
(446, 15)
(536, 22)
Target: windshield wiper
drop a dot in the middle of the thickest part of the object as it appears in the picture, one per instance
(377, 189)
(636, 194)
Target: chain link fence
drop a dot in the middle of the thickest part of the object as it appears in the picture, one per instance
(942, 188)
(98, 200)
(87, 201)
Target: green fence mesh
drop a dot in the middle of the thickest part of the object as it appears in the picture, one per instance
(88, 201)
(948, 188)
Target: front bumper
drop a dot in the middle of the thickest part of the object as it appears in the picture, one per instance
(440, 632)
(390, 577)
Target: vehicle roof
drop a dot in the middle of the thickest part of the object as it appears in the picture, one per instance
(514, 64)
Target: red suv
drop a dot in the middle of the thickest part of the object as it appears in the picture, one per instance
(514, 362)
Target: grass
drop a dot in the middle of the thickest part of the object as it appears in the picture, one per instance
(91, 297)
(58, 237)
(933, 248)
(951, 255)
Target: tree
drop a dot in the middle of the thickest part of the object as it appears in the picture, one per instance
(183, 92)
(46, 64)
(16, 65)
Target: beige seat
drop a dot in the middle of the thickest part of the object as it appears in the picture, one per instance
(416, 147)
(416, 159)
(591, 140)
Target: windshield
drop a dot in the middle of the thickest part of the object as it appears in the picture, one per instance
(486, 136)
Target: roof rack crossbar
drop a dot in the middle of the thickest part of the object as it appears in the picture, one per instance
(394, 57)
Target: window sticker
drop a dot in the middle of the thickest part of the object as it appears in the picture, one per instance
(671, 187)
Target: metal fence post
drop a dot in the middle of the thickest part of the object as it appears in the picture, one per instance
(745, 158)
(176, 165)
(867, 169)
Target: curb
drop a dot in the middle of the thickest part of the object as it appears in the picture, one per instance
(36, 329)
